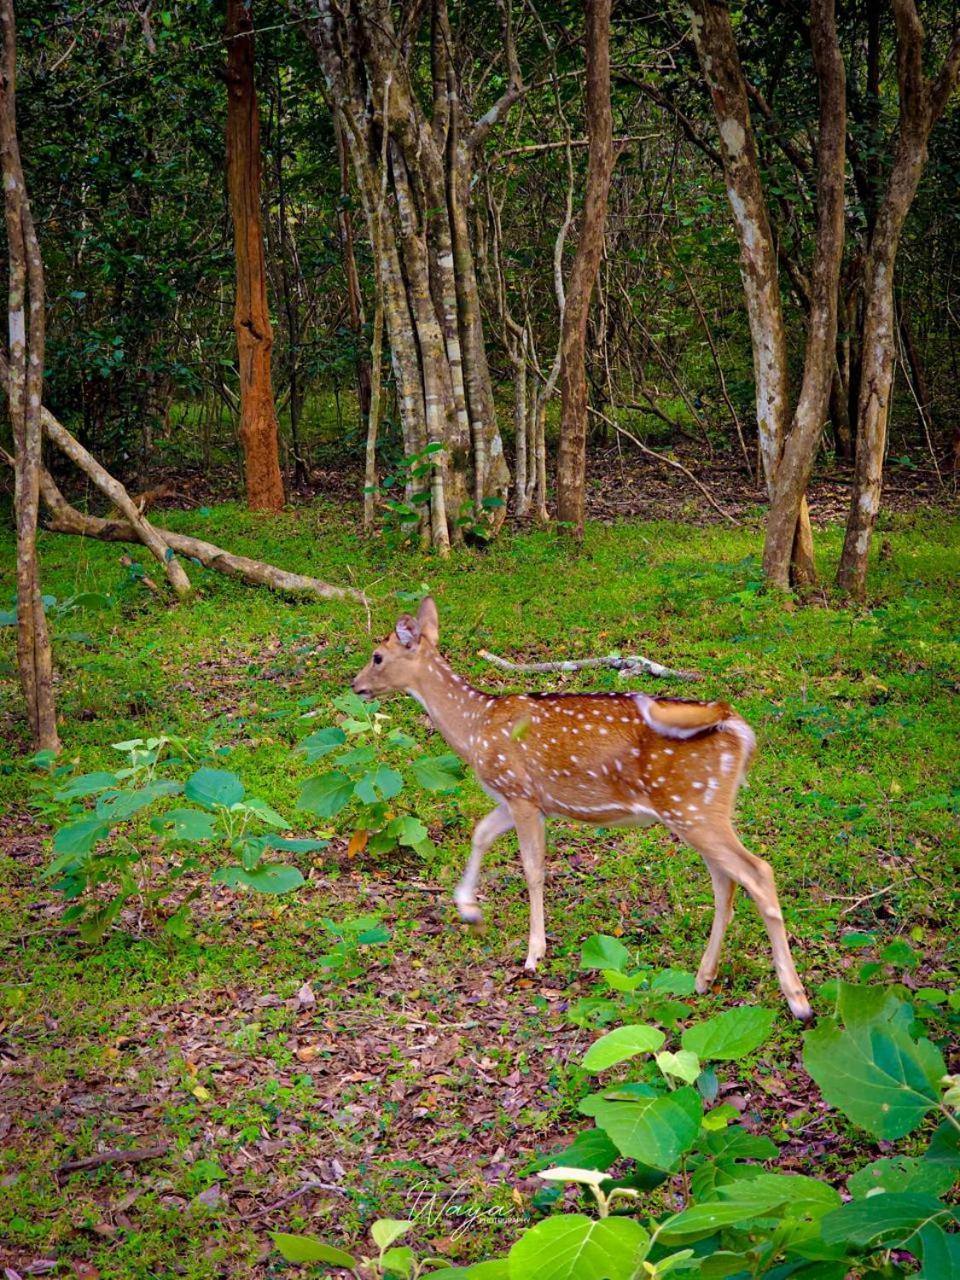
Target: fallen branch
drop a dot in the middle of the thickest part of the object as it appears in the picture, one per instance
(67, 519)
(678, 466)
(132, 1155)
(308, 1188)
(630, 665)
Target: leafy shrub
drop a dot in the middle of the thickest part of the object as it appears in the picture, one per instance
(872, 1060)
(102, 856)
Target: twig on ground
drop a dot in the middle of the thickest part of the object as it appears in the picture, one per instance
(132, 1155)
(858, 902)
(307, 1189)
(630, 665)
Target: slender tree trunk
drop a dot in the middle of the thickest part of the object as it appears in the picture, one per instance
(921, 103)
(290, 307)
(787, 544)
(258, 418)
(354, 296)
(26, 332)
(572, 461)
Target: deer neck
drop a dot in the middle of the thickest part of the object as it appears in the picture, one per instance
(454, 706)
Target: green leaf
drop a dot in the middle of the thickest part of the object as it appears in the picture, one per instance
(96, 925)
(940, 1253)
(438, 773)
(766, 1195)
(271, 877)
(80, 837)
(384, 780)
(683, 1065)
(875, 1073)
(889, 1219)
(120, 805)
(266, 814)
(398, 1262)
(318, 744)
(621, 1044)
(214, 788)
(293, 845)
(603, 952)
(729, 1035)
(407, 830)
(674, 982)
(190, 825)
(327, 795)
(87, 784)
(590, 1149)
(303, 1249)
(655, 1130)
(385, 1230)
(900, 1173)
(574, 1247)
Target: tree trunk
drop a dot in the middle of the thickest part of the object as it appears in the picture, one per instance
(572, 461)
(788, 545)
(24, 397)
(921, 103)
(354, 297)
(251, 321)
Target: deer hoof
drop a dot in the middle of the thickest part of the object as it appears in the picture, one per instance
(703, 984)
(800, 1007)
(470, 912)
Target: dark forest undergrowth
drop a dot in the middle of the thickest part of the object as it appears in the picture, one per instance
(432, 1066)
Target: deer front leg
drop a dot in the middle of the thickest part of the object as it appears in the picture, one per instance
(496, 823)
(529, 822)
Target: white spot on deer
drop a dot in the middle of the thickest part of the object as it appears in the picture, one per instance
(727, 761)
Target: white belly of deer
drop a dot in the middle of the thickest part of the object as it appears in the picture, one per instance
(602, 815)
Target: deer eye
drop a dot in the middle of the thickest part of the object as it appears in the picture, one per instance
(377, 659)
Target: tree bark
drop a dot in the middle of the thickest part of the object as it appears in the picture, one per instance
(921, 104)
(572, 460)
(251, 320)
(785, 545)
(24, 396)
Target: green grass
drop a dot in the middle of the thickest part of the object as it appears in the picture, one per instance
(853, 797)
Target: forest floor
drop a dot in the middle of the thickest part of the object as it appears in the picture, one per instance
(286, 1099)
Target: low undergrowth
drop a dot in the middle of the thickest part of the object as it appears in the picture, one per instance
(310, 1062)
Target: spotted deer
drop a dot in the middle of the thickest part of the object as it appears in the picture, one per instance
(609, 759)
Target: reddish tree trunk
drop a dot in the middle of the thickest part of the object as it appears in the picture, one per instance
(571, 469)
(251, 319)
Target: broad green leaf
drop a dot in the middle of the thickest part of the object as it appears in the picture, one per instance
(574, 1247)
(271, 877)
(940, 1253)
(266, 814)
(327, 795)
(891, 1219)
(304, 1249)
(625, 982)
(767, 1195)
(386, 1230)
(398, 1262)
(384, 780)
(94, 926)
(729, 1035)
(80, 837)
(438, 773)
(190, 825)
(407, 830)
(900, 1173)
(621, 1044)
(944, 1148)
(118, 806)
(320, 743)
(655, 1130)
(590, 1149)
(674, 982)
(603, 952)
(496, 1269)
(214, 788)
(87, 784)
(683, 1065)
(875, 1073)
(294, 845)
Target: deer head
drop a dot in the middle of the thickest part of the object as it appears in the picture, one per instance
(398, 662)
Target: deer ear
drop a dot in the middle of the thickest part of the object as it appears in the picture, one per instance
(408, 631)
(429, 619)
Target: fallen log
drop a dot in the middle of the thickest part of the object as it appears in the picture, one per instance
(631, 664)
(64, 518)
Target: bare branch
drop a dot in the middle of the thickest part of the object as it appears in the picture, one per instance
(628, 665)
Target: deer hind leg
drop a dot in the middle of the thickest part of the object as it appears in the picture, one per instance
(724, 892)
(496, 823)
(529, 822)
(722, 850)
